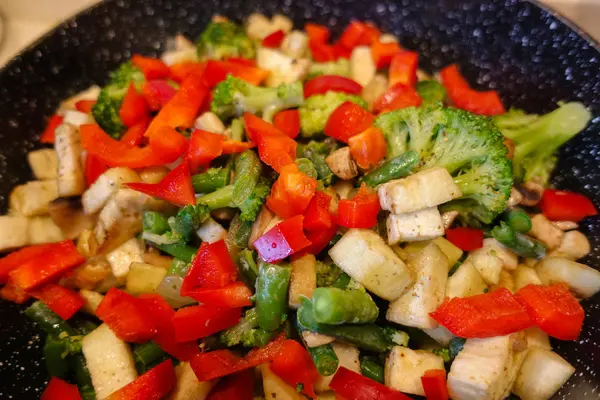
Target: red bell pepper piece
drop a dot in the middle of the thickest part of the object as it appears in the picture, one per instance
(485, 315)
(48, 134)
(233, 295)
(368, 148)
(180, 71)
(182, 109)
(403, 68)
(58, 389)
(154, 384)
(274, 39)
(560, 205)
(212, 268)
(134, 135)
(553, 309)
(133, 108)
(324, 83)
(352, 385)
(38, 270)
(317, 215)
(163, 314)
(23, 256)
(64, 302)
(175, 188)
(85, 106)
(319, 240)
(397, 97)
(434, 384)
(274, 148)
(164, 148)
(292, 192)
(256, 126)
(126, 316)
(383, 53)
(322, 52)
(152, 68)
(195, 322)
(361, 211)
(316, 32)
(217, 71)
(204, 147)
(94, 167)
(294, 365)
(283, 240)
(233, 146)
(239, 386)
(353, 35)
(14, 294)
(463, 96)
(347, 120)
(288, 122)
(242, 61)
(466, 239)
(340, 51)
(157, 93)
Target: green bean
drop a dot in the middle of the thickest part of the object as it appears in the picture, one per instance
(247, 267)
(147, 355)
(306, 166)
(220, 198)
(317, 155)
(239, 232)
(372, 368)
(324, 359)
(395, 168)
(83, 378)
(84, 326)
(336, 306)
(50, 323)
(155, 222)
(518, 220)
(179, 267)
(237, 129)
(455, 346)
(248, 168)
(271, 295)
(342, 281)
(520, 244)
(54, 356)
(178, 250)
(211, 180)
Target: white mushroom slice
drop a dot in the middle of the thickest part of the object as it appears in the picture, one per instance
(565, 225)
(33, 198)
(67, 144)
(419, 225)
(515, 198)
(107, 184)
(543, 230)
(448, 218)
(43, 163)
(341, 163)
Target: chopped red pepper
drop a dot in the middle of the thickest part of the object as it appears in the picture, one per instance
(14, 294)
(152, 68)
(175, 188)
(204, 147)
(274, 148)
(397, 97)
(340, 51)
(212, 268)
(463, 96)
(157, 93)
(256, 126)
(22, 256)
(242, 61)
(322, 52)
(239, 386)
(94, 167)
(48, 134)
(58, 389)
(553, 309)
(42, 268)
(291, 193)
(361, 211)
(180, 71)
(352, 385)
(196, 322)
(485, 315)
(354, 35)
(154, 384)
(560, 205)
(347, 120)
(383, 53)
(316, 32)
(85, 106)
(317, 215)
(233, 146)
(434, 384)
(288, 122)
(466, 239)
(64, 302)
(319, 240)
(134, 135)
(403, 68)
(233, 295)
(274, 39)
(133, 108)
(294, 365)
(325, 83)
(217, 71)
(283, 240)
(368, 148)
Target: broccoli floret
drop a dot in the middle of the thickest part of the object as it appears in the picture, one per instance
(252, 205)
(233, 96)
(316, 110)
(443, 353)
(246, 332)
(432, 92)
(327, 273)
(317, 152)
(393, 335)
(224, 39)
(537, 138)
(340, 67)
(106, 109)
(469, 146)
(188, 220)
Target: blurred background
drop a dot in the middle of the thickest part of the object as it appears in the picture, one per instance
(23, 21)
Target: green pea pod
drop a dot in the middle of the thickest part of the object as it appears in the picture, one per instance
(54, 356)
(178, 250)
(178, 267)
(247, 267)
(520, 244)
(395, 168)
(371, 368)
(239, 232)
(155, 222)
(211, 180)
(432, 92)
(83, 378)
(271, 295)
(50, 322)
(306, 166)
(147, 355)
(517, 220)
(336, 306)
(248, 168)
(324, 359)
(220, 198)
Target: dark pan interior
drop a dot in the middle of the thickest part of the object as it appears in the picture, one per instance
(531, 57)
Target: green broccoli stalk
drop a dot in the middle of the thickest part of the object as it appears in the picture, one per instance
(327, 273)
(340, 67)
(537, 138)
(469, 146)
(316, 110)
(224, 39)
(106, 109)
(233, 96)
(246, 333)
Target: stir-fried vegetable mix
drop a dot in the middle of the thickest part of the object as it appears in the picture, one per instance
(269, 213)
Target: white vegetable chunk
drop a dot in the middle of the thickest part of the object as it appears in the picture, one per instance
(283, 68)
(509, 259)
(524, 276)
(505, 280)
(405, 367)
(153, 174)
(259, 226)
(363, 255)
(537, 338)
(121, 258)
(77, 118)
(545, 231)
(440, 334)
(43, 163)
(487, 262)
(67, 144)
(92, 300)
(32, 198)
(281, 22)
(211, 231)
(574, 245)
(374, 89)
(209, 122)
(303, 281)
(107, 184)
(314, 339)
(424, 189)
(542, 374)
(465, 282)
(90, 93)
(188, 387)
(362, 66)
(348, 358)
(109, 360)
(144, 278)
(341, 163)
(414, 226)
(43, 230)
(581, 279)
(13, 232)
(295, 44)
(276, 388)
(453, 253)
(426, 294)
(258, 26)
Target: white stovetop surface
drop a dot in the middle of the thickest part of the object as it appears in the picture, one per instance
(25, 20)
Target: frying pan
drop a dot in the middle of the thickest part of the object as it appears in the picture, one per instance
(531, 56)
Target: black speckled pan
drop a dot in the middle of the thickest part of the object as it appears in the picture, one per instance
(529, 55)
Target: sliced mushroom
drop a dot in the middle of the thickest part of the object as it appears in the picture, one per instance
(67, 213)
(531, 192)
(565, 225)
(515, 198)
(448, 218)
(341, 163)
(543, 230)
(260, 225)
